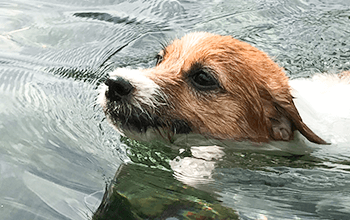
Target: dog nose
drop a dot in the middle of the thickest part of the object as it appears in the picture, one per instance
(118, 88)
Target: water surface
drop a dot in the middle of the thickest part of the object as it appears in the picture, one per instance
(56, 150)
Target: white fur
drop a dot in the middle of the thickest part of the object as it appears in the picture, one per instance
(101, 98)
(146, 90)
(326, 94)
(324, 105)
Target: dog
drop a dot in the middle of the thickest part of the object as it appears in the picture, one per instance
(205, 84)
(211, 93)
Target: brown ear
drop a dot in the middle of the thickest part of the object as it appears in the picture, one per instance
(284, 117)
(282, 128)
(287, 120)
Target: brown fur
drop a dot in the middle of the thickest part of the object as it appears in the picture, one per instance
(345, 75)
(255, 102)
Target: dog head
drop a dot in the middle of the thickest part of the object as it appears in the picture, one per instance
(206, 84)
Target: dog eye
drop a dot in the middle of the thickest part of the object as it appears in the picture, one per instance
(159, 57)
(204, 81)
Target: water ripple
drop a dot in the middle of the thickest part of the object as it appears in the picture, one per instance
(54, 54)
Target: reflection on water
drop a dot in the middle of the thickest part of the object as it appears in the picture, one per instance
(57, 151)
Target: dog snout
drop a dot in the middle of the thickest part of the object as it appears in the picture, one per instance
(118, 88)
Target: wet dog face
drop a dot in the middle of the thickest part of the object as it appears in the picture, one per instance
(207, 84)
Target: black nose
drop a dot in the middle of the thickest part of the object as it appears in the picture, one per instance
(118, 88)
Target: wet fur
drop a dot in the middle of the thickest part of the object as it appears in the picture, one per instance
(253, 101)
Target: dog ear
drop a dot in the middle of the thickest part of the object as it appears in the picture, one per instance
(287, 119)
(281, 127)
(284, 117)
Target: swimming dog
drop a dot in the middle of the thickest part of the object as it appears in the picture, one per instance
(212, 85)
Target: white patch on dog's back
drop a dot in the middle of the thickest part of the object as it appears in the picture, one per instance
(327, 93)
(324, 104)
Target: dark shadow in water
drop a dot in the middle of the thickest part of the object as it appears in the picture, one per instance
(106, 17)
(147, 189)
(94, 76)
(141, 192)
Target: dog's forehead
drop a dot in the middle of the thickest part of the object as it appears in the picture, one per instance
(195, 48)
(194, 43)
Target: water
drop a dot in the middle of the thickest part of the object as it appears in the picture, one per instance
(56, 150)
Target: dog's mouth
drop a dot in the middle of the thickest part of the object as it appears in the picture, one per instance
(127, 117)
(130, 116)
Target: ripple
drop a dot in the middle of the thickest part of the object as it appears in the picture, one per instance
(55, 53)
(292, 193)
(304, 37)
